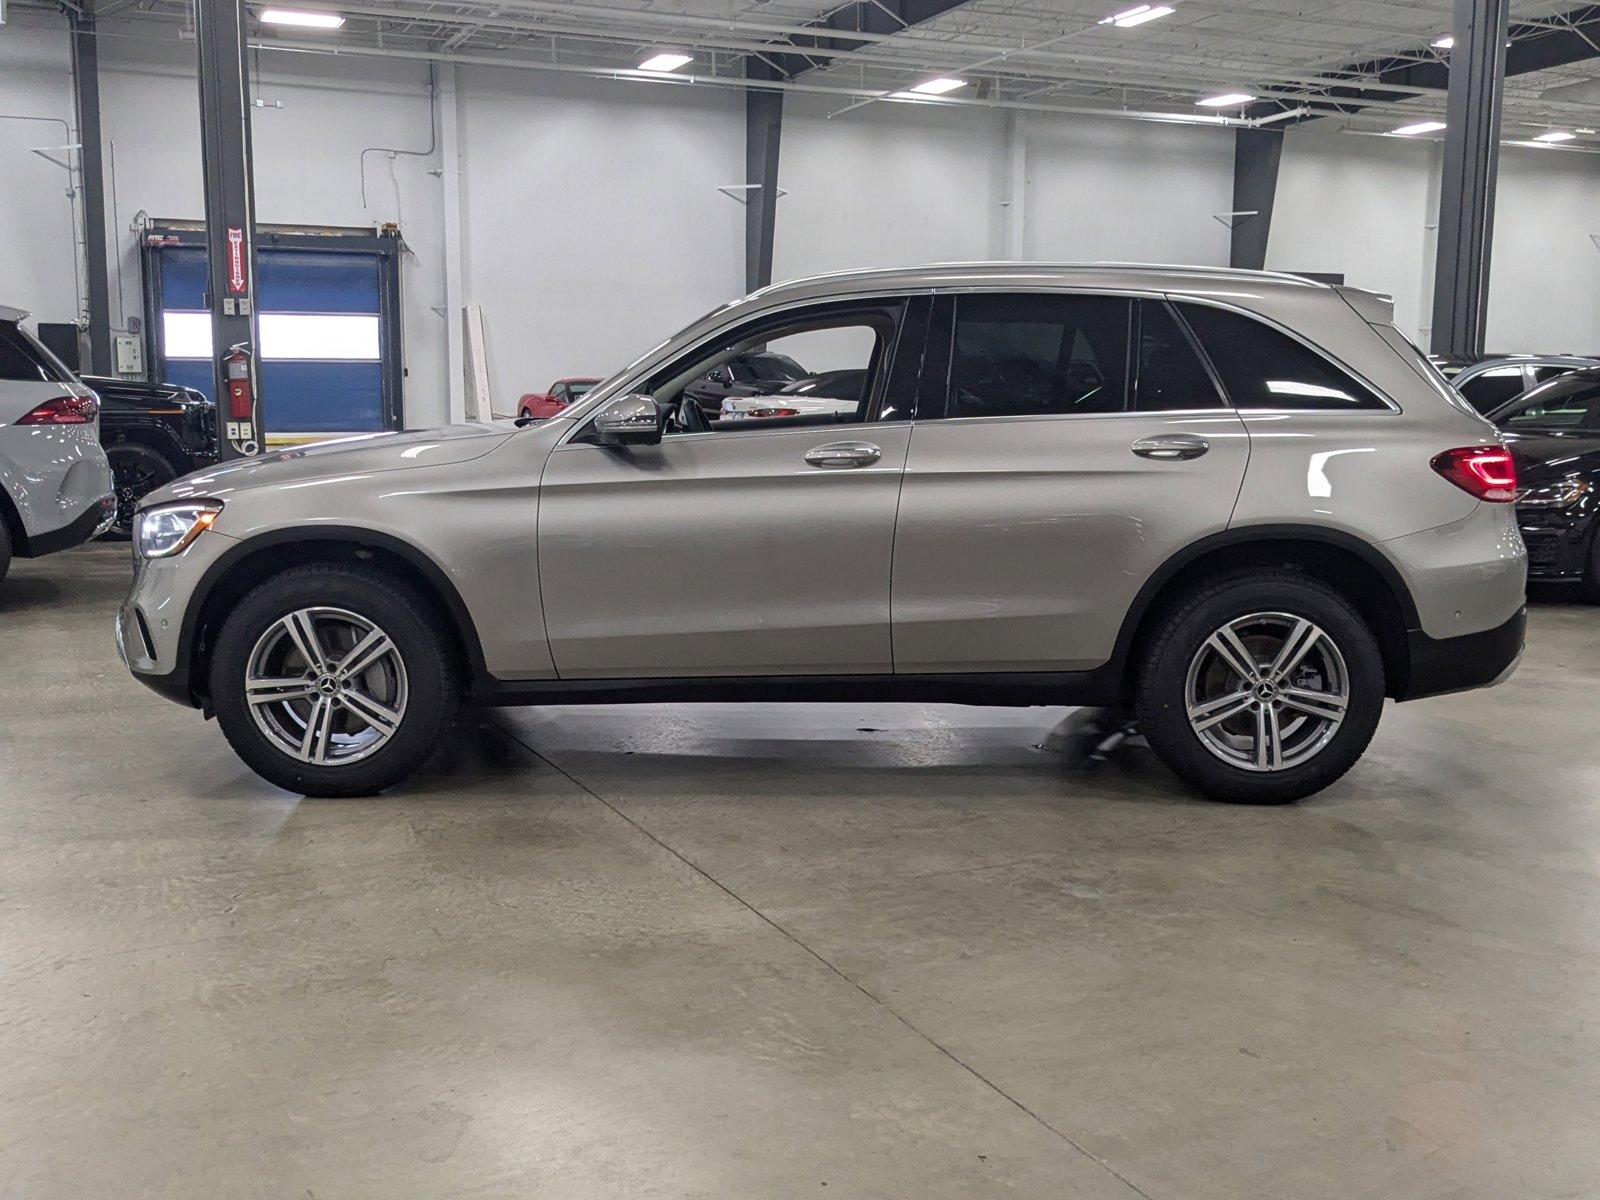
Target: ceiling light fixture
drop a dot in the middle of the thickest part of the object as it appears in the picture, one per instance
(1443, 43)
(666, 60)
(1138, 15)
(1418, 128)
(938, 87)
(1555, 135)
(1226, 100)
(301, 18)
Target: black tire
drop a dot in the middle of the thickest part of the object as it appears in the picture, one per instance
(136, 471)
(432, 677)
(1162, 686)
(5, 548)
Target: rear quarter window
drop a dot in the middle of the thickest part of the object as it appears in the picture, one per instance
(21, 361)
(1262, 367)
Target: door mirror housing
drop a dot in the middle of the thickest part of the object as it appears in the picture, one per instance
(634, 420)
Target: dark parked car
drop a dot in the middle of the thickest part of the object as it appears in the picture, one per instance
(152, 433)
(1491, 383)
(1553, 431)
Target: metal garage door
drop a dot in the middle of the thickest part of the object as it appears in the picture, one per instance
(327, 323)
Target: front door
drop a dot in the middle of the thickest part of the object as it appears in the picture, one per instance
(753, 547)
(1074, 443)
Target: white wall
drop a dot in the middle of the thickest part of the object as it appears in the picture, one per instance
(593, 227)
(1125, 191)
(1359, 206)
(885, 185)
(1544, 280)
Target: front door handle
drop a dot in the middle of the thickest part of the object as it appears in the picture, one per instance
(844, 454)
(1171, 447)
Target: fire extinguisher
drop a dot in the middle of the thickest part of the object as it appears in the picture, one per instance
(241, 399)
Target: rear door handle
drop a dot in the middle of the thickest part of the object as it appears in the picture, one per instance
(1171, 447)
(843, 454)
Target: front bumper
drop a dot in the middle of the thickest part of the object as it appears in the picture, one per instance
(1558, 542)
(1458, 664)
(155, 624)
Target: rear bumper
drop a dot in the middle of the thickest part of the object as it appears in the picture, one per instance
(90, 523)
(1458, 664)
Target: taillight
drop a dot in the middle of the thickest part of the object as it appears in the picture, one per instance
(1487, 472)
(63, 410)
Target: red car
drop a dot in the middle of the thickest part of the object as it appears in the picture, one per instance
(562, 393)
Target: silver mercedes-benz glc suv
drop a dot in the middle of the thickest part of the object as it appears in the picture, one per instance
(1241, 506)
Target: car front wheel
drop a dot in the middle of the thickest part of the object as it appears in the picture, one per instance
(332, 680)
(136, 471)
(1261, 688)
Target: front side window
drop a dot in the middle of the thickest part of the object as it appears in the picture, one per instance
(1262, 367)
(1566, 403)
(1038, 355)
(820, 367)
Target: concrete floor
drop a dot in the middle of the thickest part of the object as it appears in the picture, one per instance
(837, 950)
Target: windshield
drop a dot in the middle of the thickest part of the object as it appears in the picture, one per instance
(1570, 402)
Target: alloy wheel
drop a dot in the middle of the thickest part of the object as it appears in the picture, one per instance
(326, 686)
(1267, 692)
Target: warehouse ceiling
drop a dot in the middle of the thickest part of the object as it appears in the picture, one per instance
(1364, 65)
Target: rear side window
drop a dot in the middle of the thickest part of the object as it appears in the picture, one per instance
(1039, 355)
(1168, 372)
(21, 360)
(1492, 388)
(1262, 367)
(1565, 404)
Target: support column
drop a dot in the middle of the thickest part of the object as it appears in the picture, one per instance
(230, 214)
(1256, 155)
(448, 121)
(763, 132)
(97, 271)
(1467, 182)
(1016, 203)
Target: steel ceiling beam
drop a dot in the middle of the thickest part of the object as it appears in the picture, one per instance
(1560, 40)
(840, 29)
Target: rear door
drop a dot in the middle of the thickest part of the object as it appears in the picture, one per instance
(1065, 445)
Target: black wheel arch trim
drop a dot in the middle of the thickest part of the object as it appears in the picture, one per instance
(1245, 535)
(430, 570)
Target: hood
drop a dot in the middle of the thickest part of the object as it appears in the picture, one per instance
(1544, 457)
(365, 454)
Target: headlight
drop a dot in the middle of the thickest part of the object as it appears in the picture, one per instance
(1561, 494)
(167, 530)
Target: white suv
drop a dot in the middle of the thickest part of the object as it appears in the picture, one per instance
(55, 483)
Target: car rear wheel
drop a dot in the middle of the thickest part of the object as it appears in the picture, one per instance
(1261, 688)
(333, 681)
(136, 471)
(5, 548)
(1589, 588)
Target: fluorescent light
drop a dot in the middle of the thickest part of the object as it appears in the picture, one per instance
(666, 60)
(302, 18)
(1555, 135)
(1419, 127)
(938, 87)
(1138, 15)
(1226, 100)
(1443, 43)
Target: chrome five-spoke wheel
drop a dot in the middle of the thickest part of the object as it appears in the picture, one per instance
(326, 685)
(1267, 691)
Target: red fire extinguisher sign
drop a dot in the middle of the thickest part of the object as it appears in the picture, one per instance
(238, 283)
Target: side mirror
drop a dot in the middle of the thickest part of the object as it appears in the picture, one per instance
(630, 421)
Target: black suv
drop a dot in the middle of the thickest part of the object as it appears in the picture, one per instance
(152, 433)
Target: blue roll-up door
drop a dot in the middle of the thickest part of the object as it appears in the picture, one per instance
(325, 346)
